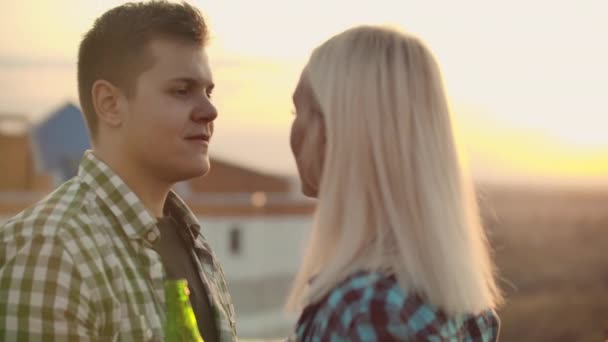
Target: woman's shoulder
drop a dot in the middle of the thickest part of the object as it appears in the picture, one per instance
(367, 290)
(371, 306)
(367, 306)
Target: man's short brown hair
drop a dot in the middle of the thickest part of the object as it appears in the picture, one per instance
(114, 49)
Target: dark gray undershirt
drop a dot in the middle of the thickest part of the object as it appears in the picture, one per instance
(177, 259)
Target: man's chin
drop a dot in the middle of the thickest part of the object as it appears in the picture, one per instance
(201, 170)
(194, 171)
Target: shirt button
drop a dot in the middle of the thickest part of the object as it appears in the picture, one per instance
(152, 236)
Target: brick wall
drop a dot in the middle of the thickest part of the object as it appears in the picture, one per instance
(225, 177)
(17, 172)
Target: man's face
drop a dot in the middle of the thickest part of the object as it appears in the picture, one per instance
(170, 115)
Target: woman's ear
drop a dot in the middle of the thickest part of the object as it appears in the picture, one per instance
(106, 99)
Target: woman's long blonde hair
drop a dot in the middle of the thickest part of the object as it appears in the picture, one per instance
(392, 197)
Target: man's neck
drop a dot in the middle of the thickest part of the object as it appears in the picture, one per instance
(151, 191)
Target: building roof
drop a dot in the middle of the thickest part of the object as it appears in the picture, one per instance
(228, 190)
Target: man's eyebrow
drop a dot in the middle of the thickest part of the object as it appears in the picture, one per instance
(194, 81)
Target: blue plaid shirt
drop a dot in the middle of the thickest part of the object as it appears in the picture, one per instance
(372, 307)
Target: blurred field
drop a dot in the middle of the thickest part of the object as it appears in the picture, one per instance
(551, 248)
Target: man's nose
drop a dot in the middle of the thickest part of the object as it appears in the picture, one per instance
(204, 112)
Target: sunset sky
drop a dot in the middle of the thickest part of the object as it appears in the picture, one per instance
(527, 80)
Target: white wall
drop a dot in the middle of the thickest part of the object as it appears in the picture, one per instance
(259, 277)
(269, 245)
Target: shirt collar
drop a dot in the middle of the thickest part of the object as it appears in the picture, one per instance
(135, 220)
(188, 224)
(180, 212)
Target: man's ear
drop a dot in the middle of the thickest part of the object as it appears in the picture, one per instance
(106, 101)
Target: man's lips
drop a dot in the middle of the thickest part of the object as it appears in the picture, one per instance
(201, 137)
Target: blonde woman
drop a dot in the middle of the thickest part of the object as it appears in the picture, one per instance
(397, 252)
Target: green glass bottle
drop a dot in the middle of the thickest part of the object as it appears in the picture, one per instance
(180, 325)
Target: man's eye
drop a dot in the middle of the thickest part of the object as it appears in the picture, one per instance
(181, 91)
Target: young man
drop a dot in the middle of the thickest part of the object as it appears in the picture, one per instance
(89, 261)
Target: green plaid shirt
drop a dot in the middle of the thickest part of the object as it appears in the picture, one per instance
(79, 265)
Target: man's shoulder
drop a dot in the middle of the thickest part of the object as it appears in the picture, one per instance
(61, 209)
